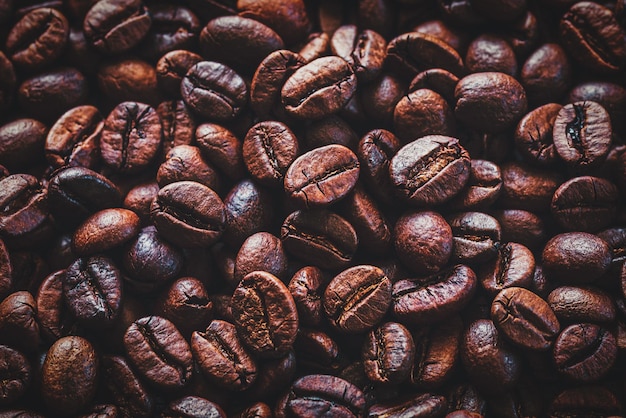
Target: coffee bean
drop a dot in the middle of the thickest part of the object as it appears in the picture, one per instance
(581, 304)
(475, 237)
(375, 151)
(128, 392)
(159, 353)
(16, 374)
(193, 406)
(172, 67)
(438, 80)
(265, 314)
(186, 303)
(491, 53)
(423, 405)
(6, 276)
(364, 50)
(322, 176)
(380, 353)
(430, 170)
(178, 124)
(576, 257)
(521, 226)
(533, 135)
(420, 113)
(611, 96)
(105, 230)
(306, 286)
(546, 74)
(20, 142)
(585, 401)
(186, 163)
(513, 266)
(433, 298)
(527, 188)
(7, 83)
(222, 148)
(55, 319)
(129, 80)
(261, 251)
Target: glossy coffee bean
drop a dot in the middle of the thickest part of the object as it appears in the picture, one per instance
(482, 189)
(514, 265)
(364, 50)
(69, 375)
(55, 319)
(582, 304)
(16, 369)
(139, 198)
(186, 163)
(18, 321)
(21, 140)
(7, 85)
(429, 170)
(307, 287)
(438, 80)
(186, 303)
(546, 74)
(105, 230)
(265, 314)
(261, 251)
(576, 257)
(475, 237)
(533, 135)
(433, 298)
(375, 151)
(357, 298)
(127, 390)
(420, 113)
(129, 80)
(318, 352)
(172, 67)
(222, 148)
(388, 353)
(527, 188)
(491, 53)
(159, 353)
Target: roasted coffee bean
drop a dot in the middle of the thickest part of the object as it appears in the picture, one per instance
(222, 148)
(466, 396)
(582, 134)
(388, 353)
(172, 67)
(127, 390)
(581, 304)
(592, 31)
(522, 227)
(214, 91)
(434, 298)
(193, 406)
(375, 151)
(438, 80)
(317, 352)
(186, 163)
(546, 74)
(585, 352)
(252, 40)
(616, 238)
(584, 204)
(69, 375)
(379, 98)
(21, 141)
(129, 80)
(414, 52)
(256, 410)
(527, 188)
(105, 230)
(611, 96)
(491, 53)
(576, 257)
(186, 303)
(55, 320)
(322, 394)
(178, 124)
(273, 376)
(525, 318)
(489, 102)
(475, 237)
(584, 401)
(188, 214)
(420, 113)
(15, 370)
(92, 289)
(261, 251)
(307, 286)
(37, 39)
(418, 406)
(320, 88)
(423, 241)
(436, 353)
(265, 314)
(115, 26)
(222, 357)
(139, 198)
(18, 321)
(159, 353)
(357, 298)
(174, 27)
(449, 34)
(491, 364)
(430, 170)
(533, 135)
(513, 266)
(317, 45)
(322, 176)
(330, 130)
(482, 189)
(364, 50)
(269, 148)
(74, 138)
(131, 137)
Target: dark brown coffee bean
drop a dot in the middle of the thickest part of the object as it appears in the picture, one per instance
(188, 214)
(269, 148)
(436, 353)
(92, 288)
(475, 237)
(388, 353)
(491, 364)
(222, 357)
(256, 410)
(434, 298)
(172, 67)
(581, 304)
(364, 50)
(375, 151)
(248, 209)
(115, 26)
(522, 227)
(430, 170)
(178, 124)
(576, 257)
(357, 298)
(214, 91)
(159, 352)
(324, 393)
(105, 230)
(24, 219)
(269, 78)
(491, 53)
(582, 134)
(489, 102)
(420, 113)
(616, 238)
(287, 17)
(131, 137)
(54, 316)
(21, 141)
(423, 241)
(514, 265)
(546, 74)
(193, 407)
(591, 33)
(139, 198)
(449, 34)
(261, 251)
(482, 189)
(320, 88)
(252, 40)
(101, 411)
(525, 318)
(317, 45)
(584, 352)
(18, 321)
(16, 375)
(129, 80)
(265, 314)
(584, 204)
(466, 396)
(317, 352)
(274, 376)
(322, 176)
(438, 80)
(127, 390)
(379, 98)
(187, 304)
(186, 163)
(527, 188)
(611, 96)
(585, 401)
(418, 406)
(307, 286)
(37, 39)
(222, 148)
(74, 137)
(321, 238)
(533, 135)
(69, 375)
(414, 52)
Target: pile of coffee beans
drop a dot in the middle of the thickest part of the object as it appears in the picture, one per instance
(312, 208)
